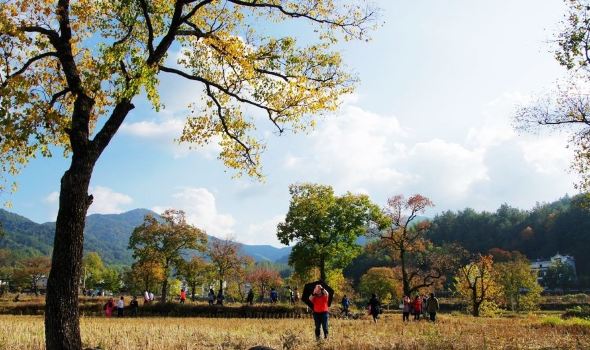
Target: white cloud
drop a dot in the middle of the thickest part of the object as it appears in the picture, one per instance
(107, 201)
(52, 198)
(201, 209)
(264, 232)
(359, 147)
(168, 129)
(364, 151)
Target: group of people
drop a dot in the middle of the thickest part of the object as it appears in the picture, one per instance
(421, 305)
(110, 307)
(148, 297)
(213, 298)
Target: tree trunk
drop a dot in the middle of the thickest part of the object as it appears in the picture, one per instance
(322, 270)
(405, 282)
(62, 327)
(164, 290)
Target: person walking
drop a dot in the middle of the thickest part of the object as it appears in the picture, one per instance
(345, 306)
(146, 297)
(182, 296)
(432, 307)
(120, 306)
(274, 296)
(319, 298)
(220, 297)
(417, 307)
(250, 297)
(291, 296)
(109, 307)
(152, 297)
(407, 308)
(211, 296)
(374, 307)
(133, 306)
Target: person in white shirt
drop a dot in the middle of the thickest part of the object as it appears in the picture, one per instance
(152, 298)
(146, 298)
(120, 307)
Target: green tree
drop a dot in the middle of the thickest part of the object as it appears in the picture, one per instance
(79, 65)
(163, 241)
(325, 227)
(381, 281)
(92, 270)
(519, 287)
(559, 275)
(195, 272)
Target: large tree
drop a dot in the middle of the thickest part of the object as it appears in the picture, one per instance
(476, 282)
(71, 69)
(164, 239)
(226, 260)
(419, 262)
(568, 107)
(325, 227)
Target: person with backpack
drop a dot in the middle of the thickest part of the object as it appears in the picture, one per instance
(274, 296)
(211, 296)
(374, 307)
(432, 307)
(220, 297)
(345, 306)
(250, 297)
(134, 305)
(109, 307)
(319, 299)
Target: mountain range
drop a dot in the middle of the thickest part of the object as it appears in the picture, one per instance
(107, 234)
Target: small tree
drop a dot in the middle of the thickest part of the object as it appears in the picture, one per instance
(195, 272)
(559, 276)
(381, 281)
(226, 260)
(519, 287)
(163, 242)
(264, 277)
(325, 227)
(92, 270)
(33, 270)
(145, 275)
(476, 283)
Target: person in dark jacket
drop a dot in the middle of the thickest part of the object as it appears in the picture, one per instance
(374, 307)
(432, 307)
(250, 297)
(133, 306)
(345, 306)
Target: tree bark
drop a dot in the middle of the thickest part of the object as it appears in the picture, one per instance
(322, 269)
(405, 282)
(62, 326)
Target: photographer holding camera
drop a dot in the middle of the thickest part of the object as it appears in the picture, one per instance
(319, 299)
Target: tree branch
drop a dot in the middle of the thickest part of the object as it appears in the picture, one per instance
(148, 23)
(226, 129)
(28, 64)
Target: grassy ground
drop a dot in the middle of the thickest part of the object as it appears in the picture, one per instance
(452, 332)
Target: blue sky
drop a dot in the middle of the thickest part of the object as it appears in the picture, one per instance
(440, 82)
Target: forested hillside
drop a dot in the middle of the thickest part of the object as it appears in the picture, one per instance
(562, 226)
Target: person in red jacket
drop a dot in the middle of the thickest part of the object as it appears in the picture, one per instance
(182, 296)
(417, 306)
(319, 299)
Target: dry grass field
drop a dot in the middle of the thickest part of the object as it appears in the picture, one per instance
(452, 332)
